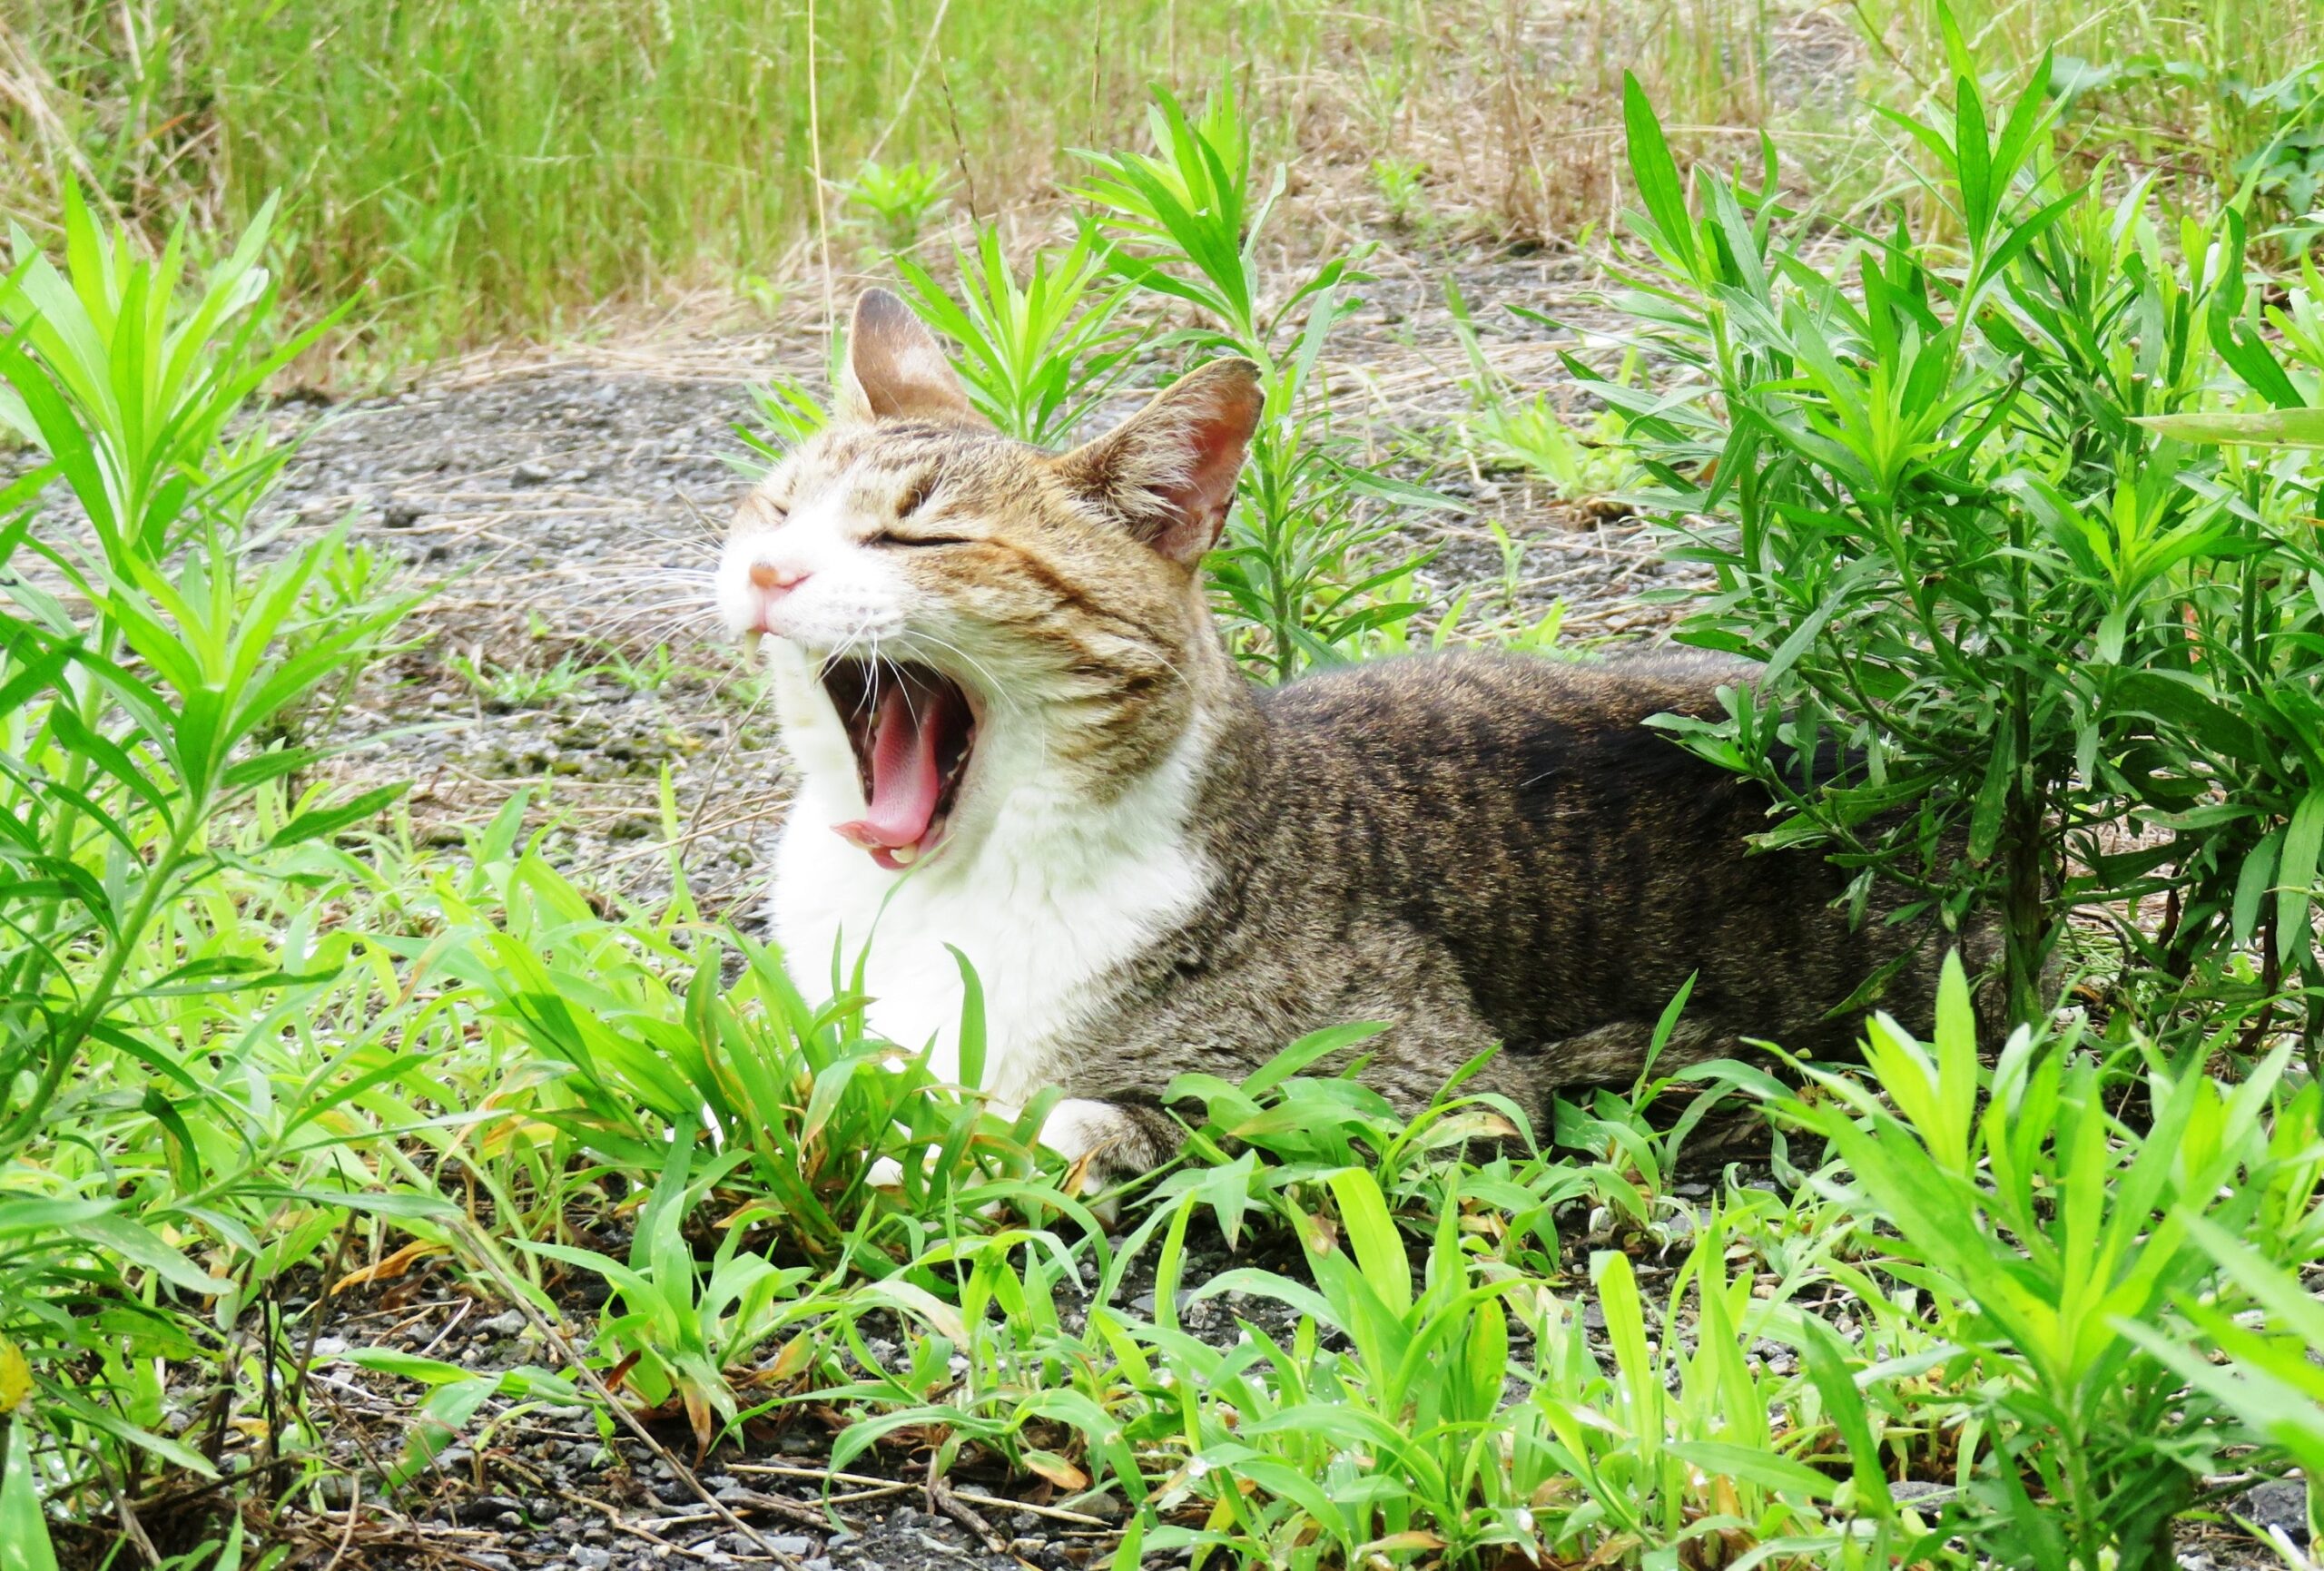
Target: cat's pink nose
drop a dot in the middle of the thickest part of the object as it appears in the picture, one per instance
(766, 576)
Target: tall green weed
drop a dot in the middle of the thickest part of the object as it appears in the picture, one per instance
(2022, 652)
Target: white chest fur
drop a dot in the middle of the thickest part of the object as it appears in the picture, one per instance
(1047, 894)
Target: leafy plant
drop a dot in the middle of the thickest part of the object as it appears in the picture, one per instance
(519, 686)
(680, 1329)
(2049, 1232)
(1399, 182)
(900, 200)
(150, 677)
(2264, 1372)
(1382, 1448)
(790, 413)
(648, 1045)
(1988, 598)
(1037, 357)
(1300, 568)
(1527, 432)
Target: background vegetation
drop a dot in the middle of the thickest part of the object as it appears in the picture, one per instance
(458, 171)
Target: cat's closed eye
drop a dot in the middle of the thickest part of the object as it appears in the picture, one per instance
(890, 537)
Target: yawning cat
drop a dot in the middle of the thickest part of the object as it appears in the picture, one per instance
(1017, 731)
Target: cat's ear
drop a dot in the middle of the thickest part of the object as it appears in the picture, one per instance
(896, 370)
(1168, 471)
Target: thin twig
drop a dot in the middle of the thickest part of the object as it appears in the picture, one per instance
(540, 1323)
(940, 1498)
(815, 153)
(896, 117)
(347, 1533)
(131, 1527)
(1056, 1513)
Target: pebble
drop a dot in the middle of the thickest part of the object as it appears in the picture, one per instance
(2280, 1503)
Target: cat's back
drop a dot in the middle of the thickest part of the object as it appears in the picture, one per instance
(1478, 792)
(1575, 863)
(1520, 722)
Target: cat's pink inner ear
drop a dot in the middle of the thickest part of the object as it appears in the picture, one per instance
(896, 370)
(1169, 470)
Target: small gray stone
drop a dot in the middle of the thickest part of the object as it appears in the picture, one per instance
(589, 1558)
(2279, 1503)
(506, 1324)
(1095, 1503)
(530, 474)
(790, 1543)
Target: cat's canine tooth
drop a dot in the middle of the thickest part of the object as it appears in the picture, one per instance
(904, 854)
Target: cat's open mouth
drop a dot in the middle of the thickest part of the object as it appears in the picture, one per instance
(912, 728)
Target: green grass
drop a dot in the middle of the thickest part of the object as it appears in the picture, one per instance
(462, 169)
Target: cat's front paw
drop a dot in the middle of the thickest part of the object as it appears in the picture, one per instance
(1105, 1142)
(1077, 1128)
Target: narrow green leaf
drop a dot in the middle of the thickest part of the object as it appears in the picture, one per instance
(324, 822)
(1769, 1471)
(1656, 173)
(1371, 1234)
(1827, 1368)
(24, 1526)
(2296, 881)
(2262, 428)
(2252, 882)
(972, 1032)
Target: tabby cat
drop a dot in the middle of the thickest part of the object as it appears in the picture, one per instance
(1016, 731)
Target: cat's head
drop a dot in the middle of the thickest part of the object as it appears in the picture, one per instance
(952, 605)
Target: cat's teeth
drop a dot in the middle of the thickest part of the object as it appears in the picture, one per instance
(905, 854)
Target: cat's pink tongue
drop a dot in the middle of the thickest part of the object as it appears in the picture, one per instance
(905, 781)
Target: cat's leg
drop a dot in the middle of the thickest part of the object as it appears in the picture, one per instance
(1111, 1140)
(1615, 1053)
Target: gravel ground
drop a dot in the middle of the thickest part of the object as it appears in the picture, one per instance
(535, 1488)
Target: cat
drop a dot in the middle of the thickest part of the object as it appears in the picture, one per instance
(1017, 731)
